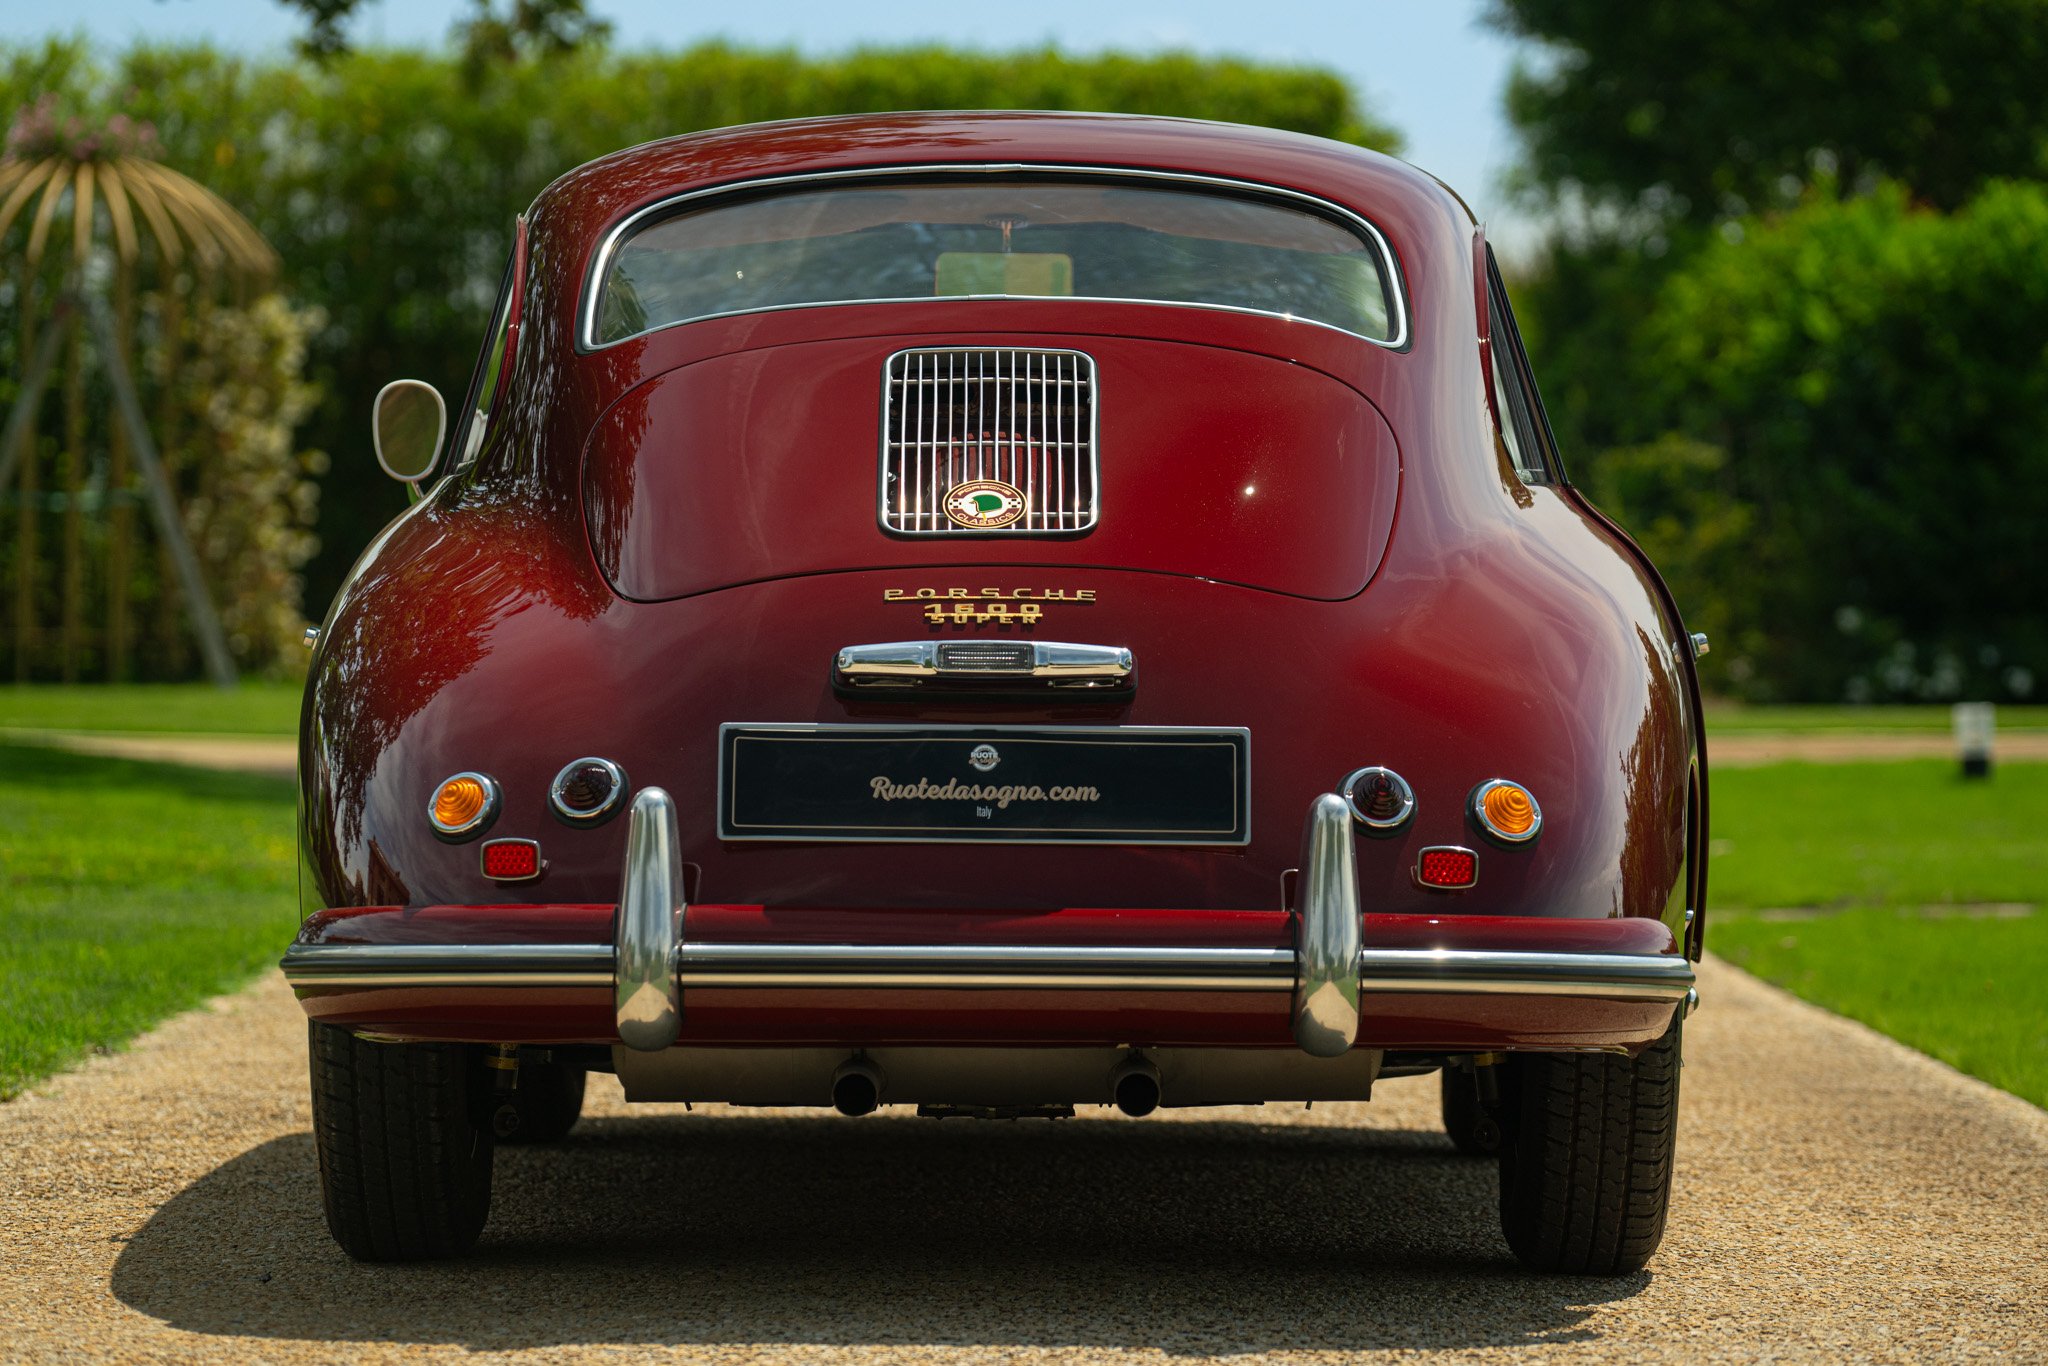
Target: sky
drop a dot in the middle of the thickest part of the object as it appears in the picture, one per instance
(1429, 67)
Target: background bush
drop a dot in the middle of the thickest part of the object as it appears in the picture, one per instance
(1788, 323)
(1878, 376)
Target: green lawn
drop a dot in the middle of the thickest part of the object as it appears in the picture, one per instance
(1912, 880)
(251, 709)
(1904, 833)
(129, 892)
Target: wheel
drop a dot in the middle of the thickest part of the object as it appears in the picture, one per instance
(1585, 1164)
(405, 1164)
(1473, 1128)
(544, 1106)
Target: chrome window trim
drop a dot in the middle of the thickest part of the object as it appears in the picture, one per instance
(593, 280)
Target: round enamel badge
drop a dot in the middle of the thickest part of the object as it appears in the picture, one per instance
(983, 504)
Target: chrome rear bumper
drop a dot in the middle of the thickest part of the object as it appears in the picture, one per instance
(651, 966)
(1610, 976)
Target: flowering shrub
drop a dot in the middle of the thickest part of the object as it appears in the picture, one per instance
(38, 131)
(248, 494)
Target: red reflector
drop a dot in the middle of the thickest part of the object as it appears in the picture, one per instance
(511, 860)
(1447, 867)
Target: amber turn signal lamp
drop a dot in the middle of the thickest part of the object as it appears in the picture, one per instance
(463, 806)
(1447, 868)
(1505, 812)
(511, 860)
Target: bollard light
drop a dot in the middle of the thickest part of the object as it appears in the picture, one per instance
(1975, 724)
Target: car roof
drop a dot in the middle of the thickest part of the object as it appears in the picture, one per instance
(1365, 181)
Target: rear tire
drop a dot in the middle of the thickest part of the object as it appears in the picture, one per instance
(1474, 1129)
(1585, 1168)
(545, 1105)
(405, 1166)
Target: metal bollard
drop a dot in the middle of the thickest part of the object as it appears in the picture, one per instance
(1975, 724)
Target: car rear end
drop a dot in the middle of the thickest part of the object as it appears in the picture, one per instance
(1002, 701)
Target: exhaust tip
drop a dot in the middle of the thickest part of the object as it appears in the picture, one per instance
(1135, 1088)
(856, 1089)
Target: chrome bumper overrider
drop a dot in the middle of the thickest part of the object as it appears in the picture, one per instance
(651, 965)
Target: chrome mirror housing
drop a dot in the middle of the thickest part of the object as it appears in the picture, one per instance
(407, 425)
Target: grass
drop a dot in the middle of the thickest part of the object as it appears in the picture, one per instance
(251, 709)
(1910, 880)
(1906, 833)
(129, 892)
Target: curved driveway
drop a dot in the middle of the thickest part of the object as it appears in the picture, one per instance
(1839, 1198)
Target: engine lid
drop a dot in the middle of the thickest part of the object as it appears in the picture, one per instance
(853, 454)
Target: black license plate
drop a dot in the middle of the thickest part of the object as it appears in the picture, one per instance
(969, 784)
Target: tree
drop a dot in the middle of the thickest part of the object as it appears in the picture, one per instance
(522, 27)
(1715, 108)
(1878, 376)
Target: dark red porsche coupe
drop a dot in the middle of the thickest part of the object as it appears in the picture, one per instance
(995, 614)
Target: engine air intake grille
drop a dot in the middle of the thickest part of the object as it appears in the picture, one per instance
(1021, 420)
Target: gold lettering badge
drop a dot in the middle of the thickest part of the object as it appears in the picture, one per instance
(974, 606)
(966, 613)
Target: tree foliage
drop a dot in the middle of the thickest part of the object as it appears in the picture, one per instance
(1788, 303)
(1723, 107)
(388, 181)
(1878, 376)
(490, 31)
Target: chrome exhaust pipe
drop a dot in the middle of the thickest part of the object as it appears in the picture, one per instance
(1134, 1086)
(856, 1087)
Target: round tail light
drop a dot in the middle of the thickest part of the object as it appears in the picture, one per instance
(588, 791)
(1380, 799)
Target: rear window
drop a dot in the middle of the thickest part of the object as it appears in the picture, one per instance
(997, 238)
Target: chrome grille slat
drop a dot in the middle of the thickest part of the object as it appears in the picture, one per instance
(1025, 418)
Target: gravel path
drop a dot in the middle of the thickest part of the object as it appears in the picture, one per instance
(1750, 749)
(1839, 1198)
(274, 756)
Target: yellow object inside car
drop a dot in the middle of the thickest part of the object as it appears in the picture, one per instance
(1049, 273)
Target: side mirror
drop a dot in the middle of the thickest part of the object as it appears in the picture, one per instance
(406, 426)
